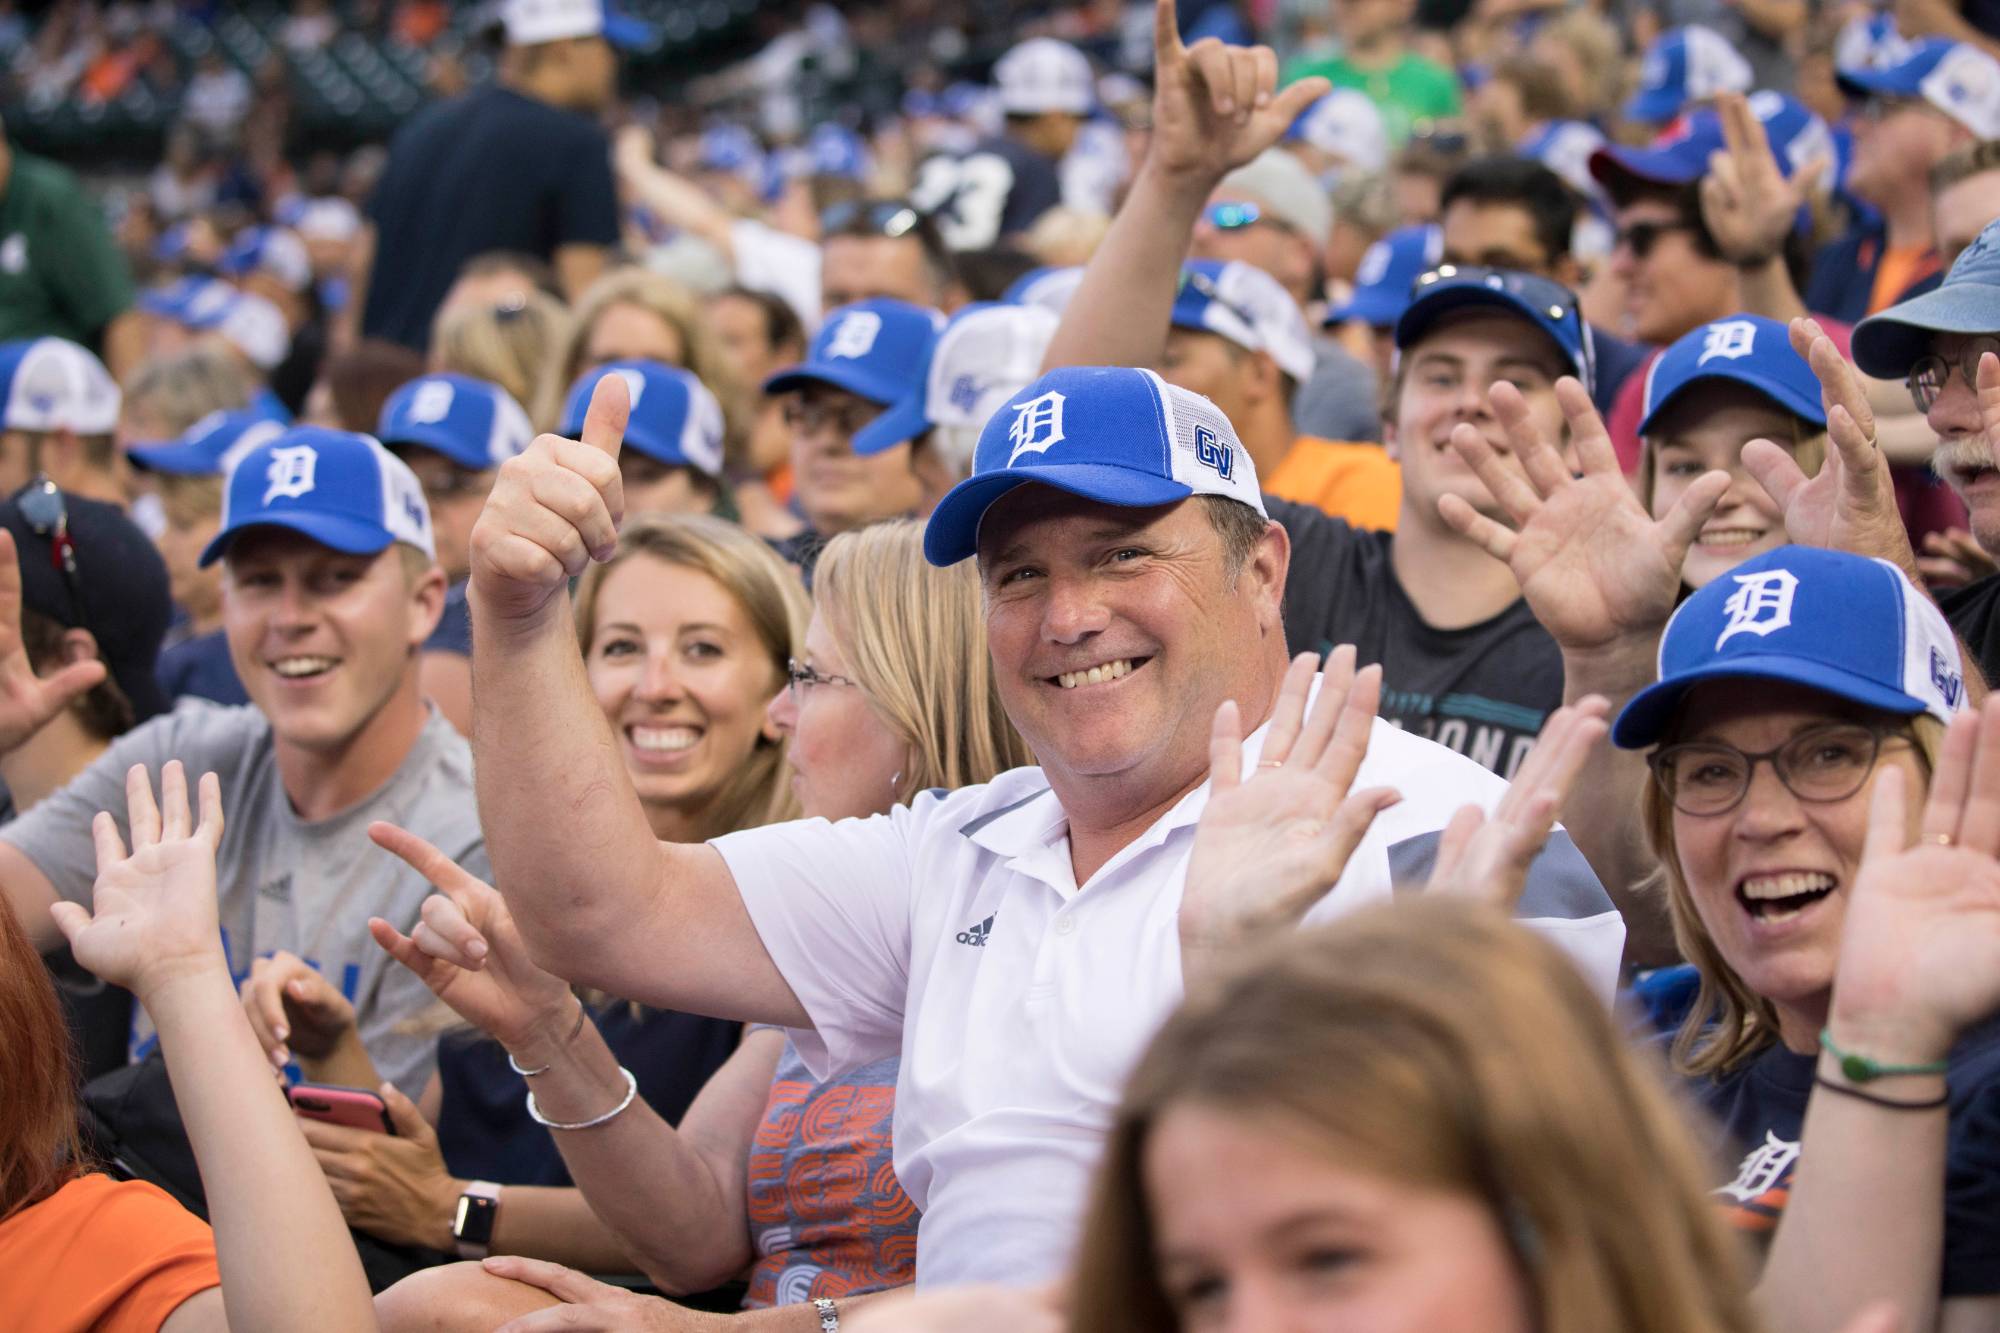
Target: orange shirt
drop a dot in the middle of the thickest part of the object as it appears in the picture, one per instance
(114, 1256)
(1357, 482)
(1897, 270)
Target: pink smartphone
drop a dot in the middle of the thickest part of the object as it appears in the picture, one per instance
(357, 1108)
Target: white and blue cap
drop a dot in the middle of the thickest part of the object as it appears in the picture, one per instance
(474, 423)
(276, 251)
(986, 353)
(209, 446)
(1244, 304)
(1888, 343)
(53, 384)
(1690, 64)
(1747, 349)
(1345, 124)
(1113, 434)
(1543, 302)
(675, 419)
(833, 149)
(1848, 625)
(533, 22)
(1048, 288)
(1045, 74)
(874, 349)
(1388, 270)
(1957, 78)
(1680, 155)
(340, 488)
(1869, 41)
(249, 322)
(732, 149)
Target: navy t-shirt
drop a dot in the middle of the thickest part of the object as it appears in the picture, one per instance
(200, 668)
(997, 190)
(1762, 1107)
(454, 628)
(1617, 358)
(492, 170)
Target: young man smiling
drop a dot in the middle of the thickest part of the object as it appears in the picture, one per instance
(330, 588)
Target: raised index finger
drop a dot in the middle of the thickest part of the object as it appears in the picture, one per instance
(422, 857)
(1167, 48)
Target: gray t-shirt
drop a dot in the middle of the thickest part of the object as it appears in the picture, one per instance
(284, 883)
(1339, 402)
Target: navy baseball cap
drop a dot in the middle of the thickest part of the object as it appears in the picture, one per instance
(1112, 434)
(1680, 155)
(1543, 302)
(338, 487)
(1690, 64)
(206, 448)
(475, 424)
(1955, 77)
(1388, 270)
(1888, 343)
(675, 419)
(1748, 349)
(1849, 625)
(874, 349)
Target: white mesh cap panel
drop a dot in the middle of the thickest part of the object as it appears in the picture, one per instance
(511, 431)
(1932, 668)
(405, 513)
(983, 358)
(701, 433)
(1204, 453)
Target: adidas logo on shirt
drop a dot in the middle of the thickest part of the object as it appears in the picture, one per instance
(976, 935)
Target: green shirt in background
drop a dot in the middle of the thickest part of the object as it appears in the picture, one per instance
(60, 274)
(1409, 93)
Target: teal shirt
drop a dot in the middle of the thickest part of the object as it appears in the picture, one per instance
(1410, 93)
(60, 273)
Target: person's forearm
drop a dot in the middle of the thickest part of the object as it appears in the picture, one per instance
(1865, 1221)
(670, 1208)
(1935, 18)
(124, 344)
(1767, 290)
(542, 750)
(804, 1317)
(347, 1065)
(558, 1224)
(1121, 309)
(286, 1257)
(345, 330)
(1773, 18)
(680, 204)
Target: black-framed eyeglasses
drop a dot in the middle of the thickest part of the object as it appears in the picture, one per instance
(1824, 763)
(1641, 238)
(1229, 216)
(1931, 373)
(46, 512)
(1547, 297)
(799, 678)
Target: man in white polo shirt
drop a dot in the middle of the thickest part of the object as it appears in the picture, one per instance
(1016, 942)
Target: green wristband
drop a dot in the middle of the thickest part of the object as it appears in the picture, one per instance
(1862, 1069)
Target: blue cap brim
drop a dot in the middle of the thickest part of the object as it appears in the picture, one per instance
(1799, 404)
(626, 32)
(1888, 344)
(1646, 719)
(1427, 310)
(1655, 105)
(953, 531)
(1614, 167)
(153, 303)
(1378, 307)
(903, 421)
(179, 460)
(1860, 83)
(439, 441)
(339, 532)
(841, 375)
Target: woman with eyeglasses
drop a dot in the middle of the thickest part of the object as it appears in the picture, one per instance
(1796, 709)
(890, 696)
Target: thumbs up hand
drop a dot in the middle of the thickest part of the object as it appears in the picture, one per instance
(555, 508)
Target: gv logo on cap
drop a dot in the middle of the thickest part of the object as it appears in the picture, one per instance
(1761, 603)
(1213, 453)
(1038, 423)
(291, 472)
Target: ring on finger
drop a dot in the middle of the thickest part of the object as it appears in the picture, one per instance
(1270, 763)
(1941, 839)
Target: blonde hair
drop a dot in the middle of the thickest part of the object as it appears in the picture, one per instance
(914, 639)
(1808, 451)
(1441, 1044)
(702, 354)
(774, 602)
(1728, 1022)
(182, 389)
(506, 344)
(191, 496)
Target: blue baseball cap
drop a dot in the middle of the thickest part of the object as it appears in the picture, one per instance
(874, 349)
(1887, 344)
(1748, 349)
(675, 419)
(1686, 65)
(53, 384)
(338, 487)
(1113, 434)
(277, 251)
(1543, 302)
(1955, 77)
(1246, 305)
(730, 147)
(475, 424)
(1680, 156)
(206, 448)
(835, 150)
(1849, 625)
(1388, 270)
(986, 351)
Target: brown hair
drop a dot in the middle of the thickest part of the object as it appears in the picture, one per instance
(362, 378)
(103, 709)
(1963, 163)
(39, 1149)
(1441, 1044)
(774, 602)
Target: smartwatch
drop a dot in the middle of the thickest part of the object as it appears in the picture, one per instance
(472, 1225)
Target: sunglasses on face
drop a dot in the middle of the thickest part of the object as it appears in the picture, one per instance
(1642, 237)
(47, 514)
(1929, 376)
(842, 417)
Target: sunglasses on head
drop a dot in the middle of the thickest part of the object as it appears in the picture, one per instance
(871, 217)
(1547, 297)
(1237, 216)
(1198, 281)
(46, 512)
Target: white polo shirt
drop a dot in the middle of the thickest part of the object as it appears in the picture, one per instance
(952, 931)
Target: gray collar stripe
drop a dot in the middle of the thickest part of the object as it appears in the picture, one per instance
(973, 826)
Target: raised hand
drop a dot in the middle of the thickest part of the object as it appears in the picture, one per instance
(1216, 106)
(1746, 200)
(1596, 568)
(291, 1006)
(152, 917)
(29, 702)
(1920, 947)
(1851, 504)
(554, 509)
(467, 951)
(1486, 857)
(1271, 845)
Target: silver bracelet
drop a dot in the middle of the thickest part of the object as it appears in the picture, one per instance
(575, 1028)
(631, 1092)
(829, 1318)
